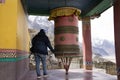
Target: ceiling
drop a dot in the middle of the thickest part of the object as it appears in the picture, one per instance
(87, 7)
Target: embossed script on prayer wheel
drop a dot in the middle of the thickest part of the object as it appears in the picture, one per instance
(66, 36)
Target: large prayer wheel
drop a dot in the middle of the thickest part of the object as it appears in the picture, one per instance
(66, 36)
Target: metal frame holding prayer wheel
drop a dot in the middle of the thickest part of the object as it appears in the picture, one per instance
(66, 62)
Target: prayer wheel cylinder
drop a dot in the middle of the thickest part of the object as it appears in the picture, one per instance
(66, 36)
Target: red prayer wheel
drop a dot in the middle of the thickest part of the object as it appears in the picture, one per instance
(66, 36)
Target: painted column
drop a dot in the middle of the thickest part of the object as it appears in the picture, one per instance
(14, 41)
(87, 48)
(117, 34)
(66, 34)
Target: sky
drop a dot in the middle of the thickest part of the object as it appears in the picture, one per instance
(102, 27)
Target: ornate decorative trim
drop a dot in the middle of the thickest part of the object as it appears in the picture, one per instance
(66, 29)
(67, 49)
(62, 38)
(88, 63)
(7, 53)
(68, 55)
(12, 55)
(77, 39)
(13, 59)
(64, 11)
(70, 19)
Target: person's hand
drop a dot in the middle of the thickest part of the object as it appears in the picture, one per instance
(53, 51)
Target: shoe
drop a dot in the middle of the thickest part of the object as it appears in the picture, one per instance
(39, 77)
(45, 75)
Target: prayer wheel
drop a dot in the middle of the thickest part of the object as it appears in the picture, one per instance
(66, 36)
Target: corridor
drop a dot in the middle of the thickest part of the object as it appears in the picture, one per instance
(74, 74)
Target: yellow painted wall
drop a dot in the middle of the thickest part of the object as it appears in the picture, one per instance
(8, 23)
(13, 26)
(23, 37)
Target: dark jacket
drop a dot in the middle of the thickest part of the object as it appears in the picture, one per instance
(40, 43)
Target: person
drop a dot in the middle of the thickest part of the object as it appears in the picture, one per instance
(40, 43)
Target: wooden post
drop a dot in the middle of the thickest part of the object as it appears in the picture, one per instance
(117, 34)
(87, 49)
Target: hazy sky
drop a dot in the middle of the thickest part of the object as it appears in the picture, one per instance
(102, 27)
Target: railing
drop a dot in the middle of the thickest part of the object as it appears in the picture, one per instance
(110, 67)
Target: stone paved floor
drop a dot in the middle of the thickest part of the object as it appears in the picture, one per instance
(74, 74)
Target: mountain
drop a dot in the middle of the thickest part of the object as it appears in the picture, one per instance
(41, 22)
(99, 51)
(103, 47)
